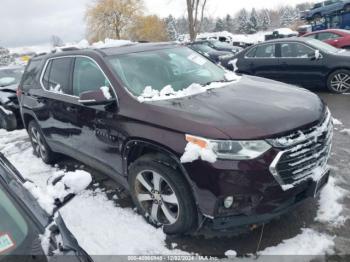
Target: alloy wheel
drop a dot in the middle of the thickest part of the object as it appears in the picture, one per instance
(340, 82)
(38, 143)
(157, 197)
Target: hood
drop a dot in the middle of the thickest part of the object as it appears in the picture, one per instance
(251, 108)
(9, 88)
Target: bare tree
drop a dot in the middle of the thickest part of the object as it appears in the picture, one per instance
(195, 10)
(56, 41)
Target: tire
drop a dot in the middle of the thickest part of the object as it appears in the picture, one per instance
(8, 122)
(39, 144)
(182, 217)
(339, 81)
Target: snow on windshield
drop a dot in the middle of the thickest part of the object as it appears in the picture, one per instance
(150, 94)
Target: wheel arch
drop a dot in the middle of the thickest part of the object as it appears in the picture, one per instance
(136, 147)
(26, 118)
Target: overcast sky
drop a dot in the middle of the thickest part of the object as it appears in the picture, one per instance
(32, 22)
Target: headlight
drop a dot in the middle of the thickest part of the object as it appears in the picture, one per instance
(229, 149)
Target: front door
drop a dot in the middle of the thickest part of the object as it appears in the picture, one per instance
(98, 140)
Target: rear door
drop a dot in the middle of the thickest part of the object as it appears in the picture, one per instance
(262, 61)
(298, 65)
(58, 118)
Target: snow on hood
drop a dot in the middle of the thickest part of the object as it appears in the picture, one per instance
(167, 92)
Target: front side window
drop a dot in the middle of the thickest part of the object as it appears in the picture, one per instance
(13, 227)
(179, 67)
(87, 76)
(57, 75)
(265, 51)
(296, 50)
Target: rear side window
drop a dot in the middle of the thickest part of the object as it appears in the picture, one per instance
(57, 75)
(30, 74)
(265, 51)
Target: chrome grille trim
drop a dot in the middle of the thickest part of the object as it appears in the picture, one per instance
(298, 161)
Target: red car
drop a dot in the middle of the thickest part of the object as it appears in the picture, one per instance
(339, 38)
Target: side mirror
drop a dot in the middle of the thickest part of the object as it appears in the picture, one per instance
(101, 96)
(63, 188)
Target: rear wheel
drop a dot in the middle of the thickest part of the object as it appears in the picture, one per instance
(339, 81)
(162, 195)
(40, 147)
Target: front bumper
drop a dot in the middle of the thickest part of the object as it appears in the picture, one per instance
(258, 197)
(308, 190)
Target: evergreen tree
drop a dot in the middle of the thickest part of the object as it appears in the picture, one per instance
(252, 26)
(265, 20)
(171, 27)
(229, 24)
(219, 25)
(288, 15)
(243, 21)
(208, 24)
(182, 25)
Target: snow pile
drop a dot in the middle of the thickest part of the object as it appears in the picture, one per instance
(114, 230)
(167, 92)
(194, 152)
(309, 242)
(286, 31)
(71, 183)
(106, 92)
(56, 89)
(231, 253)
(330, 209)
(111, 43)
(337, 122)
(45, 201)
(345, 132)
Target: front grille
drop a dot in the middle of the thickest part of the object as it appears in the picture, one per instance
(305, 151)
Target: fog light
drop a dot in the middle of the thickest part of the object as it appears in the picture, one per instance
(228, 202)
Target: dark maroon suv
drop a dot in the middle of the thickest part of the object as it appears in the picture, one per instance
(194, 144)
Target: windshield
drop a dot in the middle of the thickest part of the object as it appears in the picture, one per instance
(323, 46)
(179, 67)
(10, 76)
(13, 227)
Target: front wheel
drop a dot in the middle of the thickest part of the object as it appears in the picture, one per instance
(162, 195)
(40, 147)
(7, 119)
(339, 81)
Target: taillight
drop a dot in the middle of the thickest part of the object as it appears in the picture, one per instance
(18, 92)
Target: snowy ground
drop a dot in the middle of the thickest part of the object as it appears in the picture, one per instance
(102, 227)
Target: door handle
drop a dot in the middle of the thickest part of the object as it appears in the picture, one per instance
(71, 109)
